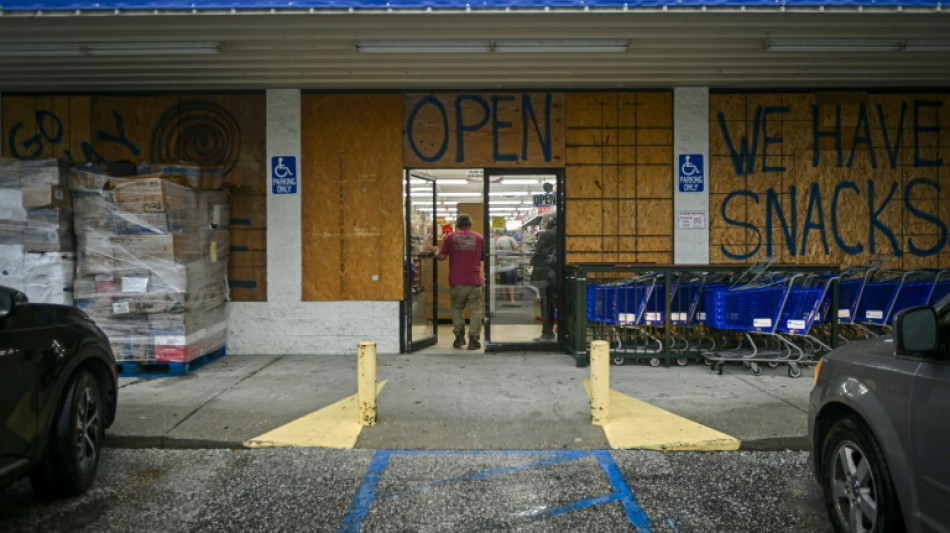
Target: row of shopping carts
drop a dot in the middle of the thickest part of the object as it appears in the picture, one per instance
(762, 315)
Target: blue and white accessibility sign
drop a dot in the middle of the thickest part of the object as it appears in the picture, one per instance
(283, 174)
(692, 176)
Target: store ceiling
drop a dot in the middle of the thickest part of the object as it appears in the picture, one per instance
(510, 196)
(714, 47)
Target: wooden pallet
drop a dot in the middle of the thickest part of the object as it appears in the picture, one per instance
(153, 369)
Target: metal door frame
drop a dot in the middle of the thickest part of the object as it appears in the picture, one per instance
(557, 344)
(405, 330)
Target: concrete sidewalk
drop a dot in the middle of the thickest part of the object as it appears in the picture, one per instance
(452, 400)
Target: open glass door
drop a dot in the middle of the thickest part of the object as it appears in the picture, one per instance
(525, 258)
(420, 325)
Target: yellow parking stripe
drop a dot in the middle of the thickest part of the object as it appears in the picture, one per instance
(632, 423)
(334, 426)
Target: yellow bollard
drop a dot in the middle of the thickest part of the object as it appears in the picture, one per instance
(599, 382)
(366, 393)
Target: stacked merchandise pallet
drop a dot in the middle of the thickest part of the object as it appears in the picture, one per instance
(37, 243)
(153, 260)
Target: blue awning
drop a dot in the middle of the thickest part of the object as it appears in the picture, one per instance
(133, 5)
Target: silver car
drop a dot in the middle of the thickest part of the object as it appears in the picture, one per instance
(879, 424)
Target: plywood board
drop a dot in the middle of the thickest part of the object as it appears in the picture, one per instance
(629, 170)
(492, 129)
(247, 284)
(353, 171)
(858, 162)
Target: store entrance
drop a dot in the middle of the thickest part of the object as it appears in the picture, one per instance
(510, 208)
(525, 258)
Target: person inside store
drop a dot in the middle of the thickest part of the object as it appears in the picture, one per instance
(544, 275)
(506, 248)
(464, 248)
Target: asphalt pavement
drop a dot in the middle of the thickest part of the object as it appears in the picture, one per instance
(458, 400)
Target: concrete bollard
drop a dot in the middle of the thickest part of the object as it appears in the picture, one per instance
(599, 382)
(366, 393)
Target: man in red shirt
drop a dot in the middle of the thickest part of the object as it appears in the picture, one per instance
(464, 249)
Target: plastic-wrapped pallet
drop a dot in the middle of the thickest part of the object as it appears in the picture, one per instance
(36, 229)
(153, 263)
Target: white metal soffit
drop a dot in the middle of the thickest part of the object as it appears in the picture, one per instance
(888, 48)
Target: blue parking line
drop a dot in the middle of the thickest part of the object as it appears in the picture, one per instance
(636, 515)
(484, 474)
(366, 493)
(621, 491)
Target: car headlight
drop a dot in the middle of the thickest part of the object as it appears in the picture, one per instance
(818, 366)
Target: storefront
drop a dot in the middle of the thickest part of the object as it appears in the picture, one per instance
(329, 231)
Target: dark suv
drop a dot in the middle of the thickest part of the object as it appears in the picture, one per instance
(57, 395)
(879, 422)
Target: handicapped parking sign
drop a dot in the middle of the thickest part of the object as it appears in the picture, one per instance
(283, 174)
(692, 177)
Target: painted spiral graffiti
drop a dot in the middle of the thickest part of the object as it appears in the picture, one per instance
(197, 132)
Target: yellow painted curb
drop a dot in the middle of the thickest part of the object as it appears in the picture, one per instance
(334, 426)
(634, 424)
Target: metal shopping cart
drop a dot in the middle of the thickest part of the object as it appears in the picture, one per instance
(770, 319)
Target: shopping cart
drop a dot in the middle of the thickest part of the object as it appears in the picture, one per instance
(770, 320)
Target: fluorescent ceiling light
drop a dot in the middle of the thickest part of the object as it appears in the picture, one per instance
(519, 181)
(461, 46)
(41, 50)
(460, 194)
(170, 48)
(434, 46)
(562, 46)
(929, 45)
(834, 45)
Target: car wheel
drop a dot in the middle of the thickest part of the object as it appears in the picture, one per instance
(858, 491)
(69, 465)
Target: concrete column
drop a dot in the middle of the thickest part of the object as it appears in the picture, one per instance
(284, 255)
(691, 175)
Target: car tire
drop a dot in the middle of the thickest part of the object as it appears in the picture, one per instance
(854, 472)
(69, 464)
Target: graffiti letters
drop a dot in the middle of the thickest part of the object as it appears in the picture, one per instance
(50, 132)
(900, 137)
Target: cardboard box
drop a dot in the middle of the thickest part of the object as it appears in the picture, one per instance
(185, 348)
(93, 212)
(94, 177)
(49, 230)
(194, 176)
(95, 253)
(186, 323)
(141, 224)
(218, 247)
(36, 172)
(152, 194)
(9, 173)
(130, 249)
(46, 196)
(11, 205)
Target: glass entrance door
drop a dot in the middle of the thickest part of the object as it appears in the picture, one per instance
(420, 323)
(524, 258)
